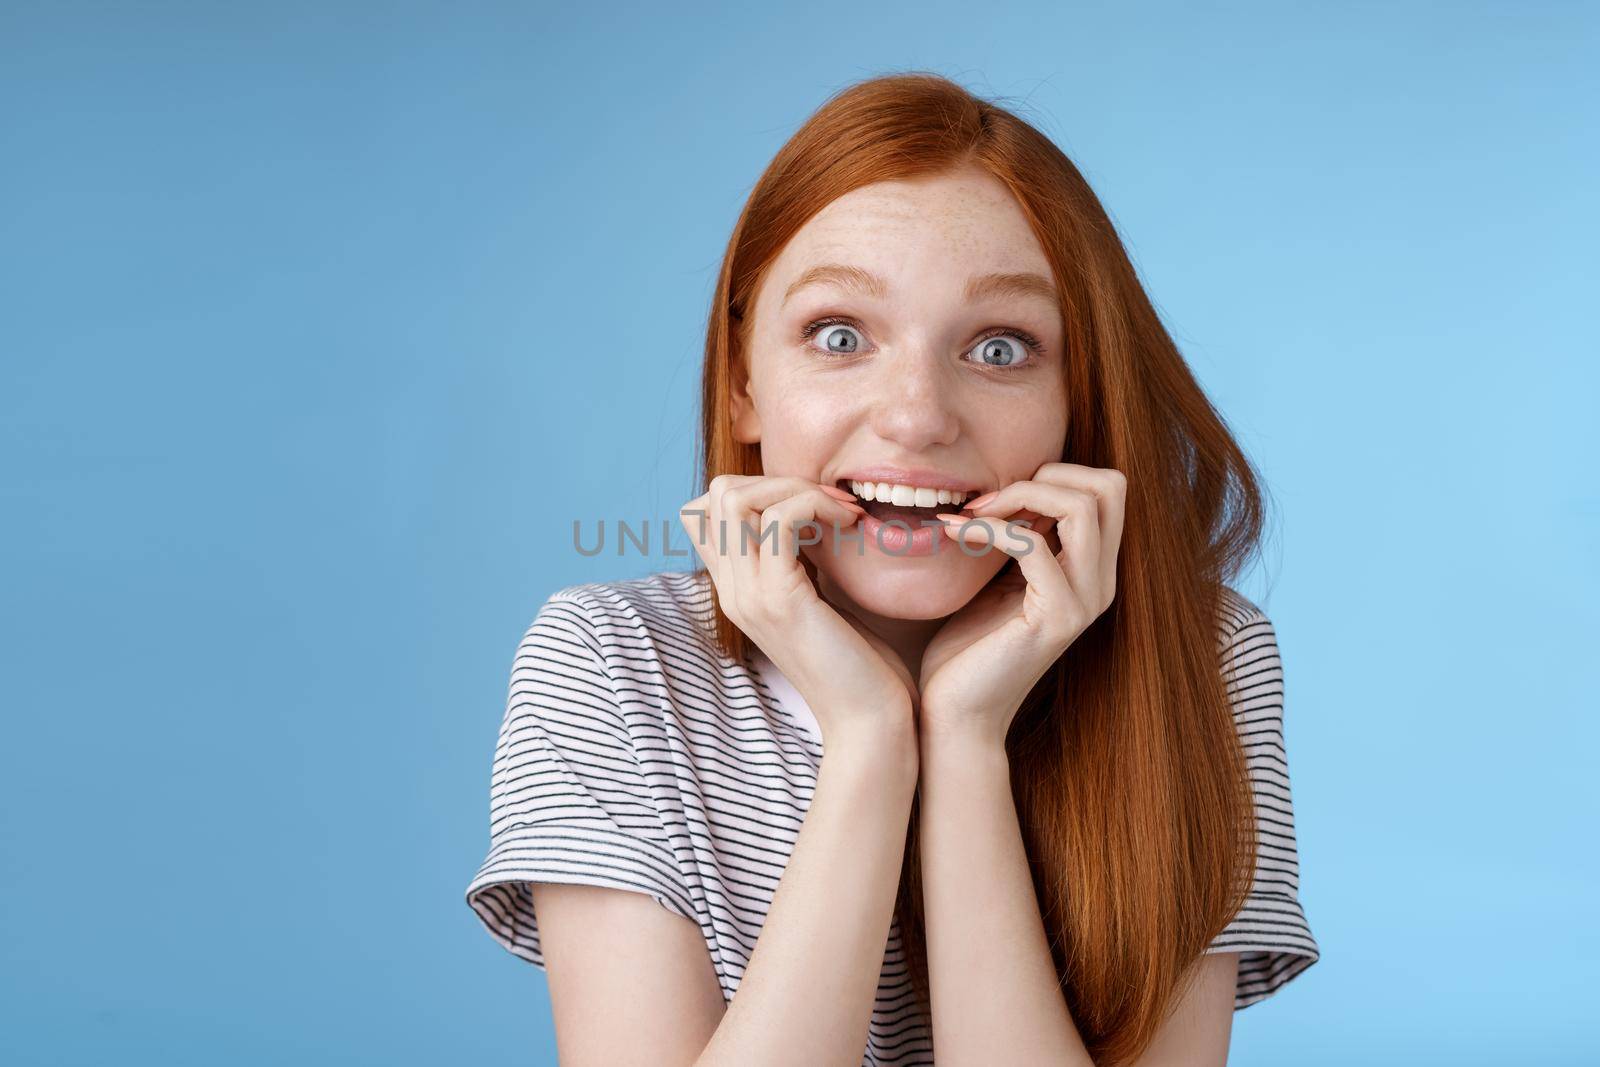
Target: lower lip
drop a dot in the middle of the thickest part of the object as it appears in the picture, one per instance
(898, 540)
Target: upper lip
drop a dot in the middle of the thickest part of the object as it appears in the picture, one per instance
(920, 477)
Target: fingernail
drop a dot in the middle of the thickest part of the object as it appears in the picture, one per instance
(982, 500)
(947, 517)
(839, 494)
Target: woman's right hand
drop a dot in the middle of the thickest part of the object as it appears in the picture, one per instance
(849, 677)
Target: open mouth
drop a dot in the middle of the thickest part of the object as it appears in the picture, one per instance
(910, 504)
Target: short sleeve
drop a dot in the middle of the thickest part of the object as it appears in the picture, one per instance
(1270, 932)
(568, 799)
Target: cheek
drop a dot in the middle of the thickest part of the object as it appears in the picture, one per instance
(801, 428)
(1024, 435)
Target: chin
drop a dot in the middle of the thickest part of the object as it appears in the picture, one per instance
(909, 587)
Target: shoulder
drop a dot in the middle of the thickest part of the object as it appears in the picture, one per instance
(1251, 664)
(629, 618)
(600, 658)
(1241, 619)
(1245, 635)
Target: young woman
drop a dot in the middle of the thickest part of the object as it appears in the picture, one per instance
(964, 745)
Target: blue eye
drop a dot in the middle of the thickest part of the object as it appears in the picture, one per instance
(1003, 348)
(838, 338)
(1010, 349)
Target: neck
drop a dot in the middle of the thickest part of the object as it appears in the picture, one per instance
(908, 637)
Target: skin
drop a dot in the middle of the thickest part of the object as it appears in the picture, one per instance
(913, 666)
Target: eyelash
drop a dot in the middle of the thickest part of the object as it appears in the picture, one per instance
(1033, 343)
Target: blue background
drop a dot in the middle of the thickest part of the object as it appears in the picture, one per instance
(322, 322)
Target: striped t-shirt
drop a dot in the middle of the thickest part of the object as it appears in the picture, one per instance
(633, 754)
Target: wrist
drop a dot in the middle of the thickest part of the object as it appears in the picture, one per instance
(884, 744)
(966, 737)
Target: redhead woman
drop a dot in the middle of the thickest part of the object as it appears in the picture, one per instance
(958, 743)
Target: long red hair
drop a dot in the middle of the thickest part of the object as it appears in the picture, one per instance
(1126, 766)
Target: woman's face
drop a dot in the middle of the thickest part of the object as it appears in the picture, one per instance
(893, 341)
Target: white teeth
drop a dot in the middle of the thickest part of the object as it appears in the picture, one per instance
(906, 496)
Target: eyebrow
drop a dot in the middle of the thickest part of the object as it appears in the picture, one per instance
(865, 283)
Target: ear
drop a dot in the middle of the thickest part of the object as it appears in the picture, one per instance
(746, 423)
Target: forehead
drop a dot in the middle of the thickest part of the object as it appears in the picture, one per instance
(966, 220)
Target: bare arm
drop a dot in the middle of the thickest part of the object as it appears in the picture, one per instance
(996, 995)
(1201, 1023)
(631, 983)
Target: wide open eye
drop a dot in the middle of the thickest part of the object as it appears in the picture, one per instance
(1001, 350)
(834, 338)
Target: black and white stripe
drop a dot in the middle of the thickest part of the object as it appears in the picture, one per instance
(634, 755)
(1270, 932)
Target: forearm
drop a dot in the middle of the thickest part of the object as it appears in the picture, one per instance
(806, 997)
(996, 996)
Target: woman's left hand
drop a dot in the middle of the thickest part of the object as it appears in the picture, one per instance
(982, 663)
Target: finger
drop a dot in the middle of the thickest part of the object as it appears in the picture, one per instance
(790, 517)
(1110, 486)
(742, 505)
(754, 495)
(729, 534)
(1060, 610)
(797, 521)
(695, 516)
(1077, 514)
(1077, 524)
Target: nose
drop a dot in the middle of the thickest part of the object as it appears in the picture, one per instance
(912, 402)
